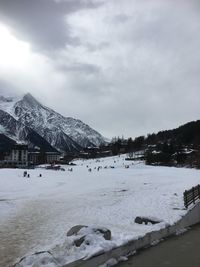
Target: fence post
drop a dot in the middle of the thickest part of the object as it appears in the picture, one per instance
(193, 196)
(185, 199)
(199, 191)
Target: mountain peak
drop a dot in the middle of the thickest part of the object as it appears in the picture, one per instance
(29, 95)
(30, 99)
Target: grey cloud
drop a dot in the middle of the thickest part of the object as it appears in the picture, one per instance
(96, 47)
(120, 18)
(7, 89)
(83, 68)
(43, 22)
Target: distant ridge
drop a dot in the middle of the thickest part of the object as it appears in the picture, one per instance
(185, 134)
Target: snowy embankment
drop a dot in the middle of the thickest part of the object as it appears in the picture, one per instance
(36, 212)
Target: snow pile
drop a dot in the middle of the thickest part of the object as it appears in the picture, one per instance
(93, 243)
(43, 259)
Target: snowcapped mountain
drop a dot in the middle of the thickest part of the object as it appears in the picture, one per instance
(18, 132)
(63, 133)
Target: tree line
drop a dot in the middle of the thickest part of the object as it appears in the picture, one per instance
(177, 147)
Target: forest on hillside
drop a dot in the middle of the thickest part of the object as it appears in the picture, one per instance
(176, 147)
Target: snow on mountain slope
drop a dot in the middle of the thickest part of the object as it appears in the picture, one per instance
(7, 103)
(11, 127)
(64, 133)
(18, 132)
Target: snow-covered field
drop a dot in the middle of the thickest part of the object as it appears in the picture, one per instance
(36, 212)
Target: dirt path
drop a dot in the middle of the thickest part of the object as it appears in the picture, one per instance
(26, 231)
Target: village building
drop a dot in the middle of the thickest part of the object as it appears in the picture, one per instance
(17, 156)
(36, 157)
(52, 157)
(33, 157)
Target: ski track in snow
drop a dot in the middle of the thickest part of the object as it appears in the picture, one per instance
(36, 213)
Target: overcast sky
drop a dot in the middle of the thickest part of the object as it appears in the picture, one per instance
(125, 67)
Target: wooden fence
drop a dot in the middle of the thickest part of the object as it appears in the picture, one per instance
(190, 196)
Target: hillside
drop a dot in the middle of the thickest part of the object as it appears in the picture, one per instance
(187, 134)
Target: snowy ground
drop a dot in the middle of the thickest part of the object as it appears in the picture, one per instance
(36, 213)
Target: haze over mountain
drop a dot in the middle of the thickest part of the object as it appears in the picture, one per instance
(21, 117)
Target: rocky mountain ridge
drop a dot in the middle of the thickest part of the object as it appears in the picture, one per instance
(63, 133)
